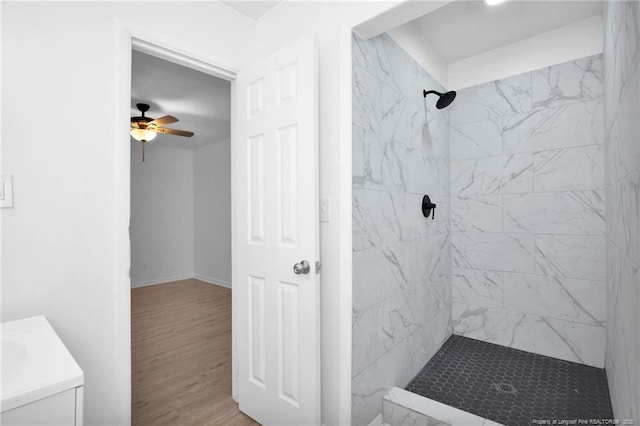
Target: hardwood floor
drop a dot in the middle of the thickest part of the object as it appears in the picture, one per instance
(181, 355)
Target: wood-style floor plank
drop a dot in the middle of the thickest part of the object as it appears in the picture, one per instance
(181, 355)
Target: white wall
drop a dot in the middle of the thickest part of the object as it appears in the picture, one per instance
(162, 213)
(212, 213)
(181, 214)
(65, 244)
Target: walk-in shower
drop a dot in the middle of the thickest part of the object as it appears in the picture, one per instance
(490, 307)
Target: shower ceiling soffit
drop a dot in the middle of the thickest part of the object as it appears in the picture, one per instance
(463, 29)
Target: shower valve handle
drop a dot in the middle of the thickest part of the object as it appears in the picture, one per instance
(428, 208)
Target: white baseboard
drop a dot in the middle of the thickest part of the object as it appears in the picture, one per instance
(160, 281)
(211, 280)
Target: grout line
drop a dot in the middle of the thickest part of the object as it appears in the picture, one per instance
(602, 282)
(455, 160)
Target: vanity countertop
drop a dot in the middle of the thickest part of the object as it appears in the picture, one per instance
(35, 363)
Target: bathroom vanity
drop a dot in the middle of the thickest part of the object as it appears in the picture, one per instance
(41, 383)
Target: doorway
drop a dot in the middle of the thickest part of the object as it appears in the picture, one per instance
(181, 248)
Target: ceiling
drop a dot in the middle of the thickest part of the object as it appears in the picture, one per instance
(200, 101)
(252, 9)
(465, 28)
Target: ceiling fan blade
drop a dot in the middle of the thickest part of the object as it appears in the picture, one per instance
(167, 119)
(175, 132)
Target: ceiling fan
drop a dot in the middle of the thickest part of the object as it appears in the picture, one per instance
(145, 129)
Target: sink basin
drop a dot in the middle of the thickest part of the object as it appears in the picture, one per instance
(35, 363)
(15, 348)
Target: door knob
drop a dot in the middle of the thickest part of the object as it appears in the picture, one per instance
(302, 267)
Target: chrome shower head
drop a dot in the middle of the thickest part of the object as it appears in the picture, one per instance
(445, 98)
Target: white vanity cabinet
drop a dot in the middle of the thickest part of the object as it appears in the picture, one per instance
(41, 383)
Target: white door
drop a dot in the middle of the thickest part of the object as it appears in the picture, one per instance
(277, 317)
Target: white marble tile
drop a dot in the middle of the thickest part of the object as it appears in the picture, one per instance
(571, 341)
(564, 126)
(494, 99)
(477, 287)
(380, 272)
(397, 290)
(476, 213)
(365, 97)
(374, 222)
(402, 260)
(391, 112)
(629, 315)
(431, 133)
(366, 346)
(495, 326)
(396, 320)
(493, 251)
(575, 81)
(377, 161)
(414, 121)
(425, 174)
(441, 224)
(395, 367)
(623, 203)
(418, 79)
(569, 169)
(381, 217)
(397, 415)
(579, 212)
(623, 148)
(493, 175)
(621, 51)
(477, 139)
(571, 256)
(423, 344)
(570, 299)
(398, 402)
(382, 57)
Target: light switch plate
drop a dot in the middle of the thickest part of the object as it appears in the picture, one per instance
(6, 201)
(325, 210)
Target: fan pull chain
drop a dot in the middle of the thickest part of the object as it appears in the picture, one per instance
(143, 143)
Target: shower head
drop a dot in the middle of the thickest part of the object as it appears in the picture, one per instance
(445, 98)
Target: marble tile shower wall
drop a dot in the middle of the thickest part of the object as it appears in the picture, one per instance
(622, 128)
(401, 260)
(528, 212)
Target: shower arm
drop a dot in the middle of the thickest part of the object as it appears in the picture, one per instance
(425, 93)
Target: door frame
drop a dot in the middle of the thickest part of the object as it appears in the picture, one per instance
(129, 40)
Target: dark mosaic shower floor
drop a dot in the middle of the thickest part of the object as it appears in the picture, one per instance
(510, 386)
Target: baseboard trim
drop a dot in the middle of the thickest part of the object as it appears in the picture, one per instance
(211, 280)
(160, 281)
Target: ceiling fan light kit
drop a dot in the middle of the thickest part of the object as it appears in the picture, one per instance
(143, 134)
(145, 129)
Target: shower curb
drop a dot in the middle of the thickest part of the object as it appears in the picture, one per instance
(401, 407)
